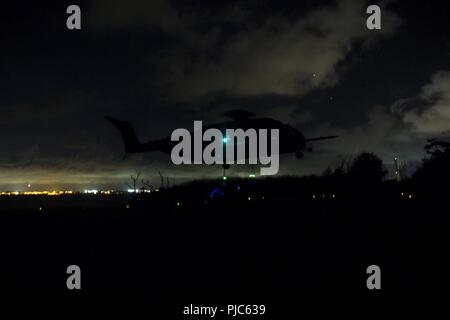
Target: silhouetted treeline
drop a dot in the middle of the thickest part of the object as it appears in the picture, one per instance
(364, 173)
(434, 172)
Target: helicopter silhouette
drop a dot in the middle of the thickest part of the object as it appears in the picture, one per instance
(291, 139)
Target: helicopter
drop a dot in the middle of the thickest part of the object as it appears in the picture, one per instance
(292, 140)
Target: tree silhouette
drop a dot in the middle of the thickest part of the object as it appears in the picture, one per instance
(161, 176)
(134, 182)
(434, 170)
(437, 148)
(367, 168)
(147, 185)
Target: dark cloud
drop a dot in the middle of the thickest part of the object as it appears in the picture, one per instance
(276, 56)
(434, 118)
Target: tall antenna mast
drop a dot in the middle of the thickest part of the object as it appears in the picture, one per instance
(397, 175)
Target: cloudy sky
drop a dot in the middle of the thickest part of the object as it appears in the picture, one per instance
(161, 64)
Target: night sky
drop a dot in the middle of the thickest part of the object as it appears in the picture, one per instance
(163, 64)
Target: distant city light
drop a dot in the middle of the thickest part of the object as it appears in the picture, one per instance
(70, 192)
(35, 193)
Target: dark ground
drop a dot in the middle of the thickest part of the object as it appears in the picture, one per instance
(280, 244)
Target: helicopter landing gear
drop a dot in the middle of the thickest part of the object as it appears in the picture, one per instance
(299, 154)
